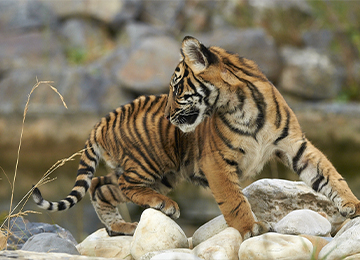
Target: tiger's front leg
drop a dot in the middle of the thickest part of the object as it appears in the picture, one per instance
(105, 196)
(224, 183)
(138, 190)
(317, 171)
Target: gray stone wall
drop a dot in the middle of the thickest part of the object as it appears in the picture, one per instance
(101, 54)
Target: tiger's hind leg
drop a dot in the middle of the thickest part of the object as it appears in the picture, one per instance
(105, 196)
(143, 192)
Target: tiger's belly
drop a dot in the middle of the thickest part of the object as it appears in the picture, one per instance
(169, 181)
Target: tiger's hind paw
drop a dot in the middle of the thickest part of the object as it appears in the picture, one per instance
(259, 227)
(122, 229)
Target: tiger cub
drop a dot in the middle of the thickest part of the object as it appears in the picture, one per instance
(221, 122)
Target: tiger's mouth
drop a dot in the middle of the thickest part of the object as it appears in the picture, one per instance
(189, 119)
(186, 122)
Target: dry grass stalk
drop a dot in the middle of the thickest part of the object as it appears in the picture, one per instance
(3, 240)
(45, 179)
(5, 176)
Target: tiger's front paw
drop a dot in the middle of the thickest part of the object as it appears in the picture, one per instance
(357, 210)
(169, 208)
(350, 209)
(259, 227)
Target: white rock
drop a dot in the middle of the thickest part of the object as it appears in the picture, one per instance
(175, 252)
(100, 244)
(271, 200)
(276, 246)
(224, 245)
(353, 257)
(105, 12)
(156, 232)
(208, 230)
(303, 221)
(175, 256)
(29, 255)
(345, 243)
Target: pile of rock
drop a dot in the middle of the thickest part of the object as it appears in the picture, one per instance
(22, 230)
(299, 234)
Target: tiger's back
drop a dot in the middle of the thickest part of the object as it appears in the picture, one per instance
(130, 135)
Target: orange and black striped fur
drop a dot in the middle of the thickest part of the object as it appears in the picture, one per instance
(221, 122)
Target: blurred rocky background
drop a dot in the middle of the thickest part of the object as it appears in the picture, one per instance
(101, 54)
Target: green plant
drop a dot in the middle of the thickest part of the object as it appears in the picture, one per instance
(342, 17)
(76, 55)
(286, 25)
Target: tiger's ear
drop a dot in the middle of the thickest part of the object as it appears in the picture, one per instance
(196, 55)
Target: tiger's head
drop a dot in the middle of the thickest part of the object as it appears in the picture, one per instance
(208, 80)
(192, 96)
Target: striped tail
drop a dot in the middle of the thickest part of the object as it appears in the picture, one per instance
(88, 162)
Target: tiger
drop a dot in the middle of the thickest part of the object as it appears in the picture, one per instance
(220, 123)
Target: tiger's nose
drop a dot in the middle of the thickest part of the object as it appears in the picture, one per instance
(167, 117)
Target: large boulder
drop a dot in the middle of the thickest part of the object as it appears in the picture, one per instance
(34, 49)
(104, 11)
(253, 44)
(150, 66)
(273, 199)
(310, 74)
